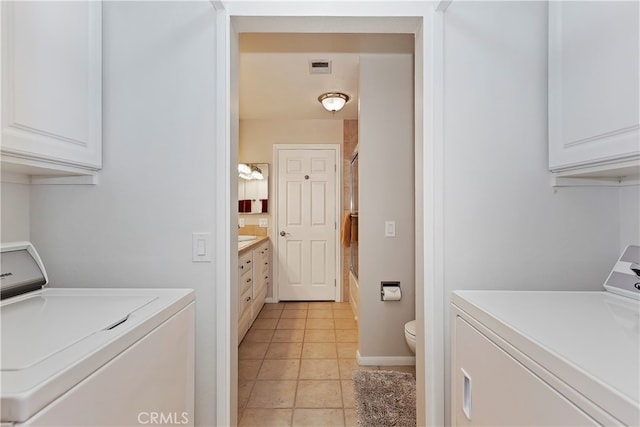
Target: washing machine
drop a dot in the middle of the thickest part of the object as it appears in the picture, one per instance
(549, 358)
(92, 356)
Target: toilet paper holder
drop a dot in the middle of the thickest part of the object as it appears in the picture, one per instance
(393, 291)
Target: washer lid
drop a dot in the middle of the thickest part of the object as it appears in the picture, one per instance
(52, 339)
(41, 325)
(410, 328)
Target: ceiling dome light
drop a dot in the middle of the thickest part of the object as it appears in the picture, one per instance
(333, 101)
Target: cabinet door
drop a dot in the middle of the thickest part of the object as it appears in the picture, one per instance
(52, 83)
(593, 83)
(258, 302)
(261, 277)
(244, 313)
(489, 387)
(262, 265)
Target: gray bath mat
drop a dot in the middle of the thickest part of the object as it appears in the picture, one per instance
(385, 398)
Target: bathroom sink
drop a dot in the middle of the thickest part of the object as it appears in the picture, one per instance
(246, 238)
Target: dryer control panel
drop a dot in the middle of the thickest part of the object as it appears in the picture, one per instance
(21, 269)
(624, 279)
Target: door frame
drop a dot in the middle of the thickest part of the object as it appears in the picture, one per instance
(426, 21)
(338, 205)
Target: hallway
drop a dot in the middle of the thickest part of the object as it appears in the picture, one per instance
(295, 366)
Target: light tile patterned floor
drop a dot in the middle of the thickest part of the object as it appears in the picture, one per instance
(295, 366)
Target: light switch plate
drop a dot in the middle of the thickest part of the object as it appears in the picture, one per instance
(389, 229)
(263, 222)
(241, 222)
(201, 247)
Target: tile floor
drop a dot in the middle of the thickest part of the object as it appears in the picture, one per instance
(295, 366)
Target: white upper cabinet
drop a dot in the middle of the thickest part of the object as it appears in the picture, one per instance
(52, 85)
(593, 85)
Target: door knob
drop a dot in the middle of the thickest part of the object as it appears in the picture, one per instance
(283, 233)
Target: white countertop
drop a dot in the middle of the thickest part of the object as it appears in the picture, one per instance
(242, 245)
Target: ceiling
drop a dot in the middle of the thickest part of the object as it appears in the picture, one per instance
(275, 79)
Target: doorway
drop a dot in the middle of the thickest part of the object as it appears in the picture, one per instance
(365, 18)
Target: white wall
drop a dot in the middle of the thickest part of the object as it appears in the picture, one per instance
(505, 227)
(14, 202)
(629, 216)
(257, 137)
(386, 193)
(134, 228)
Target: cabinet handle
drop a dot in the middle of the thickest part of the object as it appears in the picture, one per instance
(248, 262)
(466, 394)
(248, 299)
(249, 280)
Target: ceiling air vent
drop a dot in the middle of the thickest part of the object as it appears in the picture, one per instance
(319, 66)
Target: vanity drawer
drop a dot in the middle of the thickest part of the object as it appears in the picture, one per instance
(245, 263)
(245, 302)
(245, 281)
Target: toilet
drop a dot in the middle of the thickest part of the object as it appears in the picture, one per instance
(410, 335)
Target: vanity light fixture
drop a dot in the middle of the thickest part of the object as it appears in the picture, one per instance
(249, 171)
(256, 173)
(333, 101)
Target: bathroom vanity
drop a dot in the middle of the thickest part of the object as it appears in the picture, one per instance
(254, 275)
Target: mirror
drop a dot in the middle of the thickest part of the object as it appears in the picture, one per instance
(253, 193)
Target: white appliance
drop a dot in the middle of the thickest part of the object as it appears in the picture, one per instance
(548, 358)
(92, 357)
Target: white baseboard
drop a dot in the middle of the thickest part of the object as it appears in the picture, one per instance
(270, 301)
(385, 360)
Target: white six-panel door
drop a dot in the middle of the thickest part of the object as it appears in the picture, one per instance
(306, 225)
